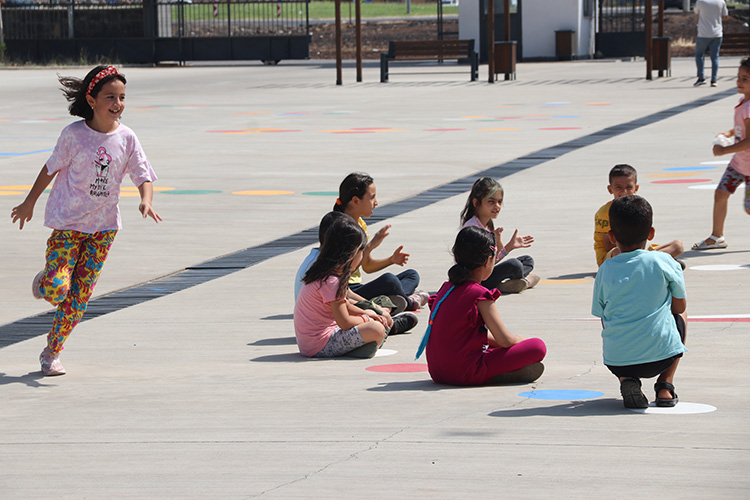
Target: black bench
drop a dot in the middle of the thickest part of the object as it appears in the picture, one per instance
(735, 44)
(430, 50)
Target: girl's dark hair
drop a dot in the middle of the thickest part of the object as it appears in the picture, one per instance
(482, 188)
(473, 247)
(354, 184)
(341, 243)
(745, 63)
(74, 90)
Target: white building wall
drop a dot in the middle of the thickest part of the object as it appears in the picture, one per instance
(540, 20)
(468, 21)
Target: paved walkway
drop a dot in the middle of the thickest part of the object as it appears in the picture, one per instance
(184, 381)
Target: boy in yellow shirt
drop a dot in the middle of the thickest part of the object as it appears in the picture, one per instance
(623, 180)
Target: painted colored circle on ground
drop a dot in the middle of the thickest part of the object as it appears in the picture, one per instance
(678, 409)
(399, 368)
(687, 169)
(599, 103)
(566, 282)
(716, 162)
(322, 193)
(262, 193)
(156, 188)
(385, 352)
(562, 394)
(444, 130)
(722, 267)
(680, 181)
(676, 174)
(712, 187)
(14, 188)
(192, 191)
(9, 193)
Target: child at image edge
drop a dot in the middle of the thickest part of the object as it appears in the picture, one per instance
(326, 325)
(738, 170)
(460, 349)
(640, 298)
(623, 180)
(88, 165)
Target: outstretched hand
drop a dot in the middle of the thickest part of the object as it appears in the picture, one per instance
(148, 211)
(399, 257)
(376, 240)
(22, 213)
(518, 241)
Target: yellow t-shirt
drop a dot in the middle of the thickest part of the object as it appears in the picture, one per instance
(356, 277)
(601, 228)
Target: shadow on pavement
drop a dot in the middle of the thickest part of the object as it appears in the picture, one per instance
(589, 408)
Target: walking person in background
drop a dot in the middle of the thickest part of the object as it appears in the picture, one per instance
(710, 31)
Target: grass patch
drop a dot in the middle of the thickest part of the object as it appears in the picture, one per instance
(317, 10)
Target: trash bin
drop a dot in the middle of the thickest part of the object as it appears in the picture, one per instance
(660, 56)
(505, 59)
(565, 44)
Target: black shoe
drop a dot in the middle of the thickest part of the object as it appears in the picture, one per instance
(366, 351)
(632, 396)
(403, 322)
(699, 82)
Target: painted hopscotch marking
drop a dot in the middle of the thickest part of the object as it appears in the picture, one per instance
(561, 394)
(678, 409)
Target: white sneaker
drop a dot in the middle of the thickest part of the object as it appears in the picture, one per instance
(419, 297)
(51, 364)
(35, 285)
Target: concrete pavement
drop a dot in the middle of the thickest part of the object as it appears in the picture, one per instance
(200, 392)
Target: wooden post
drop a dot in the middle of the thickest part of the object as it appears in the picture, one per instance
(507, 20)
(358, 37)
(491, 40)
(661, 27)
(648, 21)
(337, 9)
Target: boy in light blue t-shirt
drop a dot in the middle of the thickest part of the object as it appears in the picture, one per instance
(640, 297)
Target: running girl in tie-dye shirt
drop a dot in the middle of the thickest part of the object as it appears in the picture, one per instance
(90, 160)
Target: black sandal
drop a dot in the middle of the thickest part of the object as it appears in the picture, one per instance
(632, 396)
(665, 402)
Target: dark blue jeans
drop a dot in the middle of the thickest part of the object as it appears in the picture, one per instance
(509, 268)
(402, 284)
(711, 45)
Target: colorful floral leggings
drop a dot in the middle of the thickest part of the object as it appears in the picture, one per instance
(74, 261)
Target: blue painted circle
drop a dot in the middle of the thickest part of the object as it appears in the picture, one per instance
(564, 395)
(686, 169)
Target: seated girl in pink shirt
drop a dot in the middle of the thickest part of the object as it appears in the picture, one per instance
(460, 349)
(325, 323)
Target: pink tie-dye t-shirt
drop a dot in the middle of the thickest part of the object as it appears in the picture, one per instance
(90, 168)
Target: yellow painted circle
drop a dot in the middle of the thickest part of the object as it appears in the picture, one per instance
(566, 282)
(13, 188)
(681, 174)
(262, 193)
(9, 193)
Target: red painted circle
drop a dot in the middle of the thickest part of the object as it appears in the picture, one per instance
(399, 368)
(681, 181)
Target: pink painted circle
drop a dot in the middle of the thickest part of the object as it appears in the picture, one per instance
(681, 181)
(399, 368)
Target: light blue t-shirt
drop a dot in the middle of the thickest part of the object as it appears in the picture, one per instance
(306, 264)
(633, 295)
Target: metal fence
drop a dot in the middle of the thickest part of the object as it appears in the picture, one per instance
(618, 16)
(53, 19)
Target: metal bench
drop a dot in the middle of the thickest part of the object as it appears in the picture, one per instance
(430, 50)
